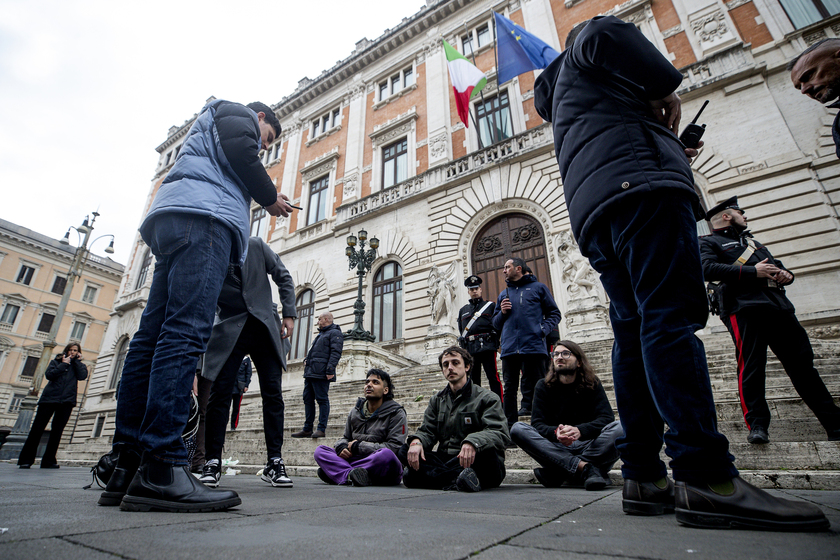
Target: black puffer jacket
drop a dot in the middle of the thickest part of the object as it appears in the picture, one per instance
(63, 380)
(608, 144)
(325, 352)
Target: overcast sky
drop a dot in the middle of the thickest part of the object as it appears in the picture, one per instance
(89, 88)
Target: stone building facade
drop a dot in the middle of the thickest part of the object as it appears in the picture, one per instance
(375, 143)
(33, 277)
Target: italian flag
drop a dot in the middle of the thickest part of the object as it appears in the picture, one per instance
(467, 81)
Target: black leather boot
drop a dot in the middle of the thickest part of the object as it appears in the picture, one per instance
(746, 507)
(120, 478)
(646, 498)
(166, 487)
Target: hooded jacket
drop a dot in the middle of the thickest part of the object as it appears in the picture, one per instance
(384, 429)
(742, 287)
(609, 146)
(325, 353)
(533, 316)
(216, 173)
(63, 381)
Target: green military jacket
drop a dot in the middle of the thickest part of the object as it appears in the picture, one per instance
(473, 415)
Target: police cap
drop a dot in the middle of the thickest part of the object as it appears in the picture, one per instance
(472, 281)
(729, 203)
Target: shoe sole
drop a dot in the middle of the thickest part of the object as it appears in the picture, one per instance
(635, 507)
(595, 485)
(133, 503)
(277, 484)
(360, 481)
(724, 521)
(210, 484)
(111, 498)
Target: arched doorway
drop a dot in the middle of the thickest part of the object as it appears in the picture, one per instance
(509, 235)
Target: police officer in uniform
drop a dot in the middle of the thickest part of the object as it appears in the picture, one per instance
(478, 337)
(748, 286)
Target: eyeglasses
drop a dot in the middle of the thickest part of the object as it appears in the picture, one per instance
(565, 354)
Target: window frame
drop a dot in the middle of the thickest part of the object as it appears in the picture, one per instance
(118, 363)
(305, 324)
(145, 266)
(44, 314)
(822, 10)
(472, 38)
(90, 289)
(385, 86)
(59, 278)
(22, 276)
(262, 221)
(323, 191)
(29, 360)
(378, 306)
(73, 329)
(481, 104)
(397, 154)
(326, 123)
(12, 409)
(5, 313)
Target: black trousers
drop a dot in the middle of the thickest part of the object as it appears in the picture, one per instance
(440, 469)
(204, 387)
(533, 368)
(236, 403)
(60, 414)
(255, 341)
(487, 362)
(754, 329)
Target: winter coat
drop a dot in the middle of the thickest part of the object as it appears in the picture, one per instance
(217, 172)
(243, 377)
(63, 381)
(324, 353)
(588, 410)
(250, 295)
(742, 287)
(609, 146)
(474, 415)
(385, 428)
(533, 316)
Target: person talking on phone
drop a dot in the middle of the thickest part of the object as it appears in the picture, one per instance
(525, 314)
(57, 402)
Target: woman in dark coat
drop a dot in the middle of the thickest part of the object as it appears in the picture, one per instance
(58, 398)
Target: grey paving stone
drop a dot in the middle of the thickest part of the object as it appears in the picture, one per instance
(44, 549)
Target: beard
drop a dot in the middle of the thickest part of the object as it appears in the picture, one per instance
(565, 369)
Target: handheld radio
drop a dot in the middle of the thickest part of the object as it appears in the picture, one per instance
(692, 134)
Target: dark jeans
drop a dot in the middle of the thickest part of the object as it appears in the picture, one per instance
(533, 368)
(316, 390)
(649, 259)
(440, 469)
(487, 362)
(600, 451)
(754, 329)
(60, 414)
(192, 254)
(256, 341)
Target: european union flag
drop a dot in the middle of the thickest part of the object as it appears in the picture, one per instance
(519, 51)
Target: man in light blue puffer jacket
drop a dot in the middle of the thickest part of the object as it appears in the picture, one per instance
(197, 227)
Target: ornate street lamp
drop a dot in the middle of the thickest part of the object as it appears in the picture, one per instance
(17, 437)
(362, 260)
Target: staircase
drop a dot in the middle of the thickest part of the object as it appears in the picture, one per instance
(798, 456)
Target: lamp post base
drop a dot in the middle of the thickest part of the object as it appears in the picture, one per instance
(15, 440)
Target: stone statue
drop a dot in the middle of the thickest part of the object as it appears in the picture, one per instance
(442, 295)
(578, 276)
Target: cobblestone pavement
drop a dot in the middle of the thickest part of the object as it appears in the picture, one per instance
(47, 515)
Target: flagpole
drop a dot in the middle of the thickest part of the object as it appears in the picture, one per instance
(481, 93)
(496, 58)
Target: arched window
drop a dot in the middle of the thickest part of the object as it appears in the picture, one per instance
(387, 302)
(144, 269)
(302, 335)
(119, 361)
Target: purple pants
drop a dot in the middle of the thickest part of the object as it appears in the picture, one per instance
(383, 466)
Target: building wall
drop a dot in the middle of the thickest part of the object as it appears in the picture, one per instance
(21, 338)
(764, 142)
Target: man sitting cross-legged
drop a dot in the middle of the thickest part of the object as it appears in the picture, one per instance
(469, 423)
(573, 429)
(374, 432)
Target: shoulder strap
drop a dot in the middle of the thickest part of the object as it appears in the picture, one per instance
(475, 317)
(748, 252)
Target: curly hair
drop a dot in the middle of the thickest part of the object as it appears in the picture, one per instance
(585, 378)
(386, 381)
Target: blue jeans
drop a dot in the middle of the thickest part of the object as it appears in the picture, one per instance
(648, 256)
(315, 390)
(192, 254)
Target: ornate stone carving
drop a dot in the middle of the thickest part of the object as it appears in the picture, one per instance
(824, 332)
(578, 276)
(672, 31)
(320, 165)
(396, 127)
(437, 146)
(350, 185)
(735, 3)
(812, 38)
(710, 26)
(442, 295)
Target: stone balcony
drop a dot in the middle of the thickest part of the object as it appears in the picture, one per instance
(457, 170)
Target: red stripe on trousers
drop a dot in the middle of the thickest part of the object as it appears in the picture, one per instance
(739, 346)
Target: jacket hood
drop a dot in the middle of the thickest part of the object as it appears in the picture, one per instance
(544, 88)
(526, 279)
(388, 407)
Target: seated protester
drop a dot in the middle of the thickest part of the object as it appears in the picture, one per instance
(573, 429)
(469, 423)
(374, 432)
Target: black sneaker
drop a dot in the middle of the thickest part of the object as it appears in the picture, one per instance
(323, 476)
(758, 435)
(211, 473)
(550, 478)
(275, 474)
(592, 478)
(467, 481)
(359, 477)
